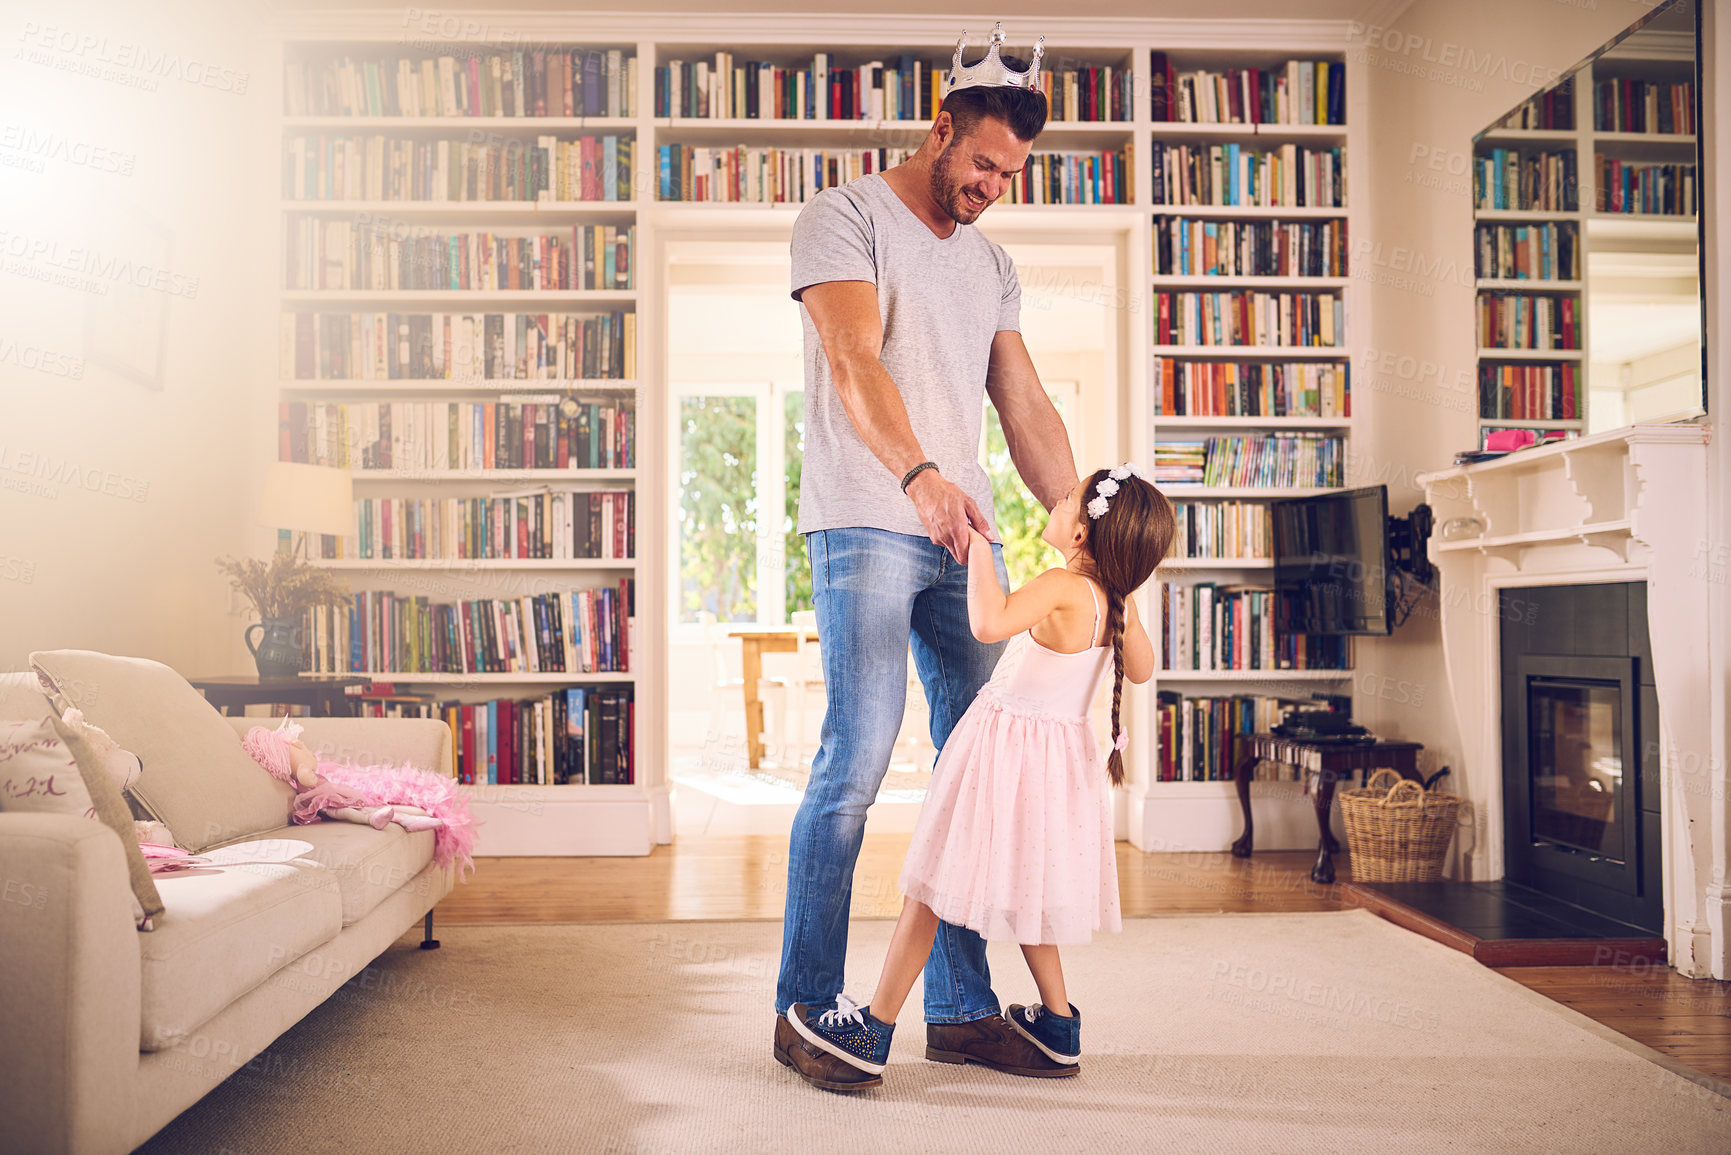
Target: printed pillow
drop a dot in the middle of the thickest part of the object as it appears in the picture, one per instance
(46, 767)
(37, 772)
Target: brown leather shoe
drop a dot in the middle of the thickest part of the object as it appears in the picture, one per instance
(992, 1042)
(819, 1068)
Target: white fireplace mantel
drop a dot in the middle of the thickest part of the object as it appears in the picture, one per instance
(1629, 505)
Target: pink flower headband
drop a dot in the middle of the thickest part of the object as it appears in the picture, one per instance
(1109, 486)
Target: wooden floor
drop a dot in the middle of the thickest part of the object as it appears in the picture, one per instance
(745, 877)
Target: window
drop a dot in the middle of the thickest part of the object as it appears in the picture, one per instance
(740, 556)
(1021, 517)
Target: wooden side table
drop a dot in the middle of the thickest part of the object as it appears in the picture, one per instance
(325, 695)
(1329, 761)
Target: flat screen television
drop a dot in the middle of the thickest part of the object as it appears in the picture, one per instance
(1331, 563)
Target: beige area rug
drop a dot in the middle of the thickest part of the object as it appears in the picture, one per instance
(1259, 1032)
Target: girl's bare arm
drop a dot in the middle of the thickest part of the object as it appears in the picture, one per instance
(993, 615)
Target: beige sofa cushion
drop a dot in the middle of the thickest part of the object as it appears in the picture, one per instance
(196, 778)
(369, 865)
(226, 931)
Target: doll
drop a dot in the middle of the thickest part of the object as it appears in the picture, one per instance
(375, 795)
(282, 752)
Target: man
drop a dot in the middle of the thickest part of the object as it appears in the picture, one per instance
(910, 316)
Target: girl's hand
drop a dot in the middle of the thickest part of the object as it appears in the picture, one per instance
(978, 539)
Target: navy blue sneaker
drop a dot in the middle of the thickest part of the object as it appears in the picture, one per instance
(849, 1032)
(1060, 1038)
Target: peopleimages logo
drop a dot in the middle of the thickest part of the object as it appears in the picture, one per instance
(32, 256)
(40, 360)
(45, 146)
(64, 471)
(102, 50)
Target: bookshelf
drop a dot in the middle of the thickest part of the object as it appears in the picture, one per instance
(457, 290)
(1532, 253)
(628, 819)
(1274, 237)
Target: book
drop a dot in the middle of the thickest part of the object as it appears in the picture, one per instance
(1234, 174)
(1249, 317)
(1185, 246)
(762, 174)
(1189, 388)
(535, 83)
(324, 166)
(1072, 178)
(462, 346)
(1209, 626)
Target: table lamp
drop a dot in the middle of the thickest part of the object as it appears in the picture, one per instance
(307, 498)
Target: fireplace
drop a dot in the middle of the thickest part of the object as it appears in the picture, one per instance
(1620, 519)
(1576, 811)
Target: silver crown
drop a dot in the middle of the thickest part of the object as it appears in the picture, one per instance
(992, 71)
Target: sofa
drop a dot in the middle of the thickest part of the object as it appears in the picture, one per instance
(112, 1031)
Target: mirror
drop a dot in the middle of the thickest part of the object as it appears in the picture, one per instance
(1587, 241)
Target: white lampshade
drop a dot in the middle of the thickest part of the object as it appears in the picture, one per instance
(310, 498)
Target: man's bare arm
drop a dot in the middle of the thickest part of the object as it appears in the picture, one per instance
(1038, 442)
(846, 316)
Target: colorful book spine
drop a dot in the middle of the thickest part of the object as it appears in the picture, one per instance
(367, 253)
(745, 174)
(1528, 321)
(529, 83)
(1245, 317)
(351, 167)
(1231, 174)
(1540, 251)
(1186, 388)
(1207, 626)
(1296, 92)
(547, 433)
(1222, 529)
(1196, 736)
(321, 346)
(1073, 178)
(1531, 180)
(583, 631)
(543, 525)
(1205, 248)
(1528, 391)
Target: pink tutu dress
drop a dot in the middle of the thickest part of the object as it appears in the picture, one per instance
(1015, 838)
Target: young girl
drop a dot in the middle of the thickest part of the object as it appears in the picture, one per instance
(1015, 838)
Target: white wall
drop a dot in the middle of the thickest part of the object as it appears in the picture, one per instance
(131, 137)
(1444, 70)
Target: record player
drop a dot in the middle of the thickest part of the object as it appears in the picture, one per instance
(1333, 725)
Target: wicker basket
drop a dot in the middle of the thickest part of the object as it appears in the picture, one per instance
(1398, 834)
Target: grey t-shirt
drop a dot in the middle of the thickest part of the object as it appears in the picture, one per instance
(941, 300)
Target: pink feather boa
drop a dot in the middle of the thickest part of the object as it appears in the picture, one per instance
(407, 786)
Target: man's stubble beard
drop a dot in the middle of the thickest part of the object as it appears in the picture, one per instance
(947, 191)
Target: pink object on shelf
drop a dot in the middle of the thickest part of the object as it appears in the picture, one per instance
(1509, 440)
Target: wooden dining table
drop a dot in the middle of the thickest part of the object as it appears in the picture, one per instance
(754, 643)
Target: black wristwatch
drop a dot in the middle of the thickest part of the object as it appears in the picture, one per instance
(915, 472)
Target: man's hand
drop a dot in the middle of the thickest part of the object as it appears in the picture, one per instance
(947, 512)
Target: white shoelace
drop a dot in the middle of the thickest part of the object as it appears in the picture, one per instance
(846, 1010)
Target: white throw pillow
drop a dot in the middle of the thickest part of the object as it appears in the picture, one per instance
(38, 773)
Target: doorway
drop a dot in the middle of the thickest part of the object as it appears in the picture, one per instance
(734, 452)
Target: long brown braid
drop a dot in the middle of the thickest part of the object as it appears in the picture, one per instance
(1125, 544)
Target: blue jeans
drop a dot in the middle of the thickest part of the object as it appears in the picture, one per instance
(872, 589)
